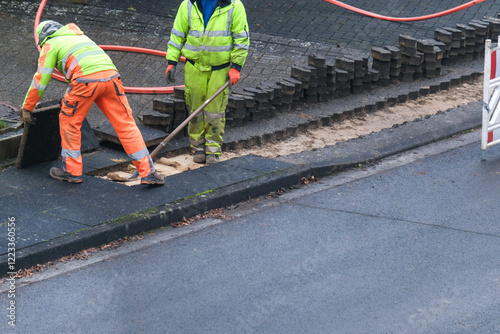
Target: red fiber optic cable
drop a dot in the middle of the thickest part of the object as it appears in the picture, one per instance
(133, 90)
(404, 19)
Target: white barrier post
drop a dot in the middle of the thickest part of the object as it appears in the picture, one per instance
(490, 133)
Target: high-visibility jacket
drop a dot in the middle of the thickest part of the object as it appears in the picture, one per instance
(73, 54)
(225, 40)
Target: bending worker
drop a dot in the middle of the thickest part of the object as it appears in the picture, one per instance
(213, 36)
(93, 78)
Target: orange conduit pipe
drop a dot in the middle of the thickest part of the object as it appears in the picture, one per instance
(132, 90)
(405, 19)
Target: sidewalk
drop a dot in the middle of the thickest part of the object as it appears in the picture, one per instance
(54, 219)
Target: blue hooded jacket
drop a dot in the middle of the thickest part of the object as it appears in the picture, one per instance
(208, 7)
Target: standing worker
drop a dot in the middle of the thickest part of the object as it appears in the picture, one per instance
(93, 78)
(213, 36)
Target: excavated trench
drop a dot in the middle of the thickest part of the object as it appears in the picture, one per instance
(351, 128)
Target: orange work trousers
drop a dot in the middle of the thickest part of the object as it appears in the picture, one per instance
(106, 90)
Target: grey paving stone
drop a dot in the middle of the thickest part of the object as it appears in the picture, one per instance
(258, 164)
(102, 158)
(151, 136)
(205, 180)
(13, 180)
(36, 227)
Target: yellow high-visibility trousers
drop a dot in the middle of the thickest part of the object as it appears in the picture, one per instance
(207, 129)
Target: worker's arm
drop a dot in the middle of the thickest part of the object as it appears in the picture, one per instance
(177, 39)
(241, 37)
(178, 35)
(46, 64)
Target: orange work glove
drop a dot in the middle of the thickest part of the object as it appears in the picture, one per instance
(170, 73)
(234, 76)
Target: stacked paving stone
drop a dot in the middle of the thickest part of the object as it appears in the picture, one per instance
(344, 74)
(494, 27)
(358, 84)
(374, 76)
(432, 57)
(318, 80)
(466, 41)
(298, 88)
(168, 112)
(367, 78)
(395, 69)
(445, 37)
(161, 117)
(320, 64)
(180, 108)
(263, 106)
(411, 59)
(275, 95)
(287, 93)
(481, 33)
(311, 92)
(160, 120)
(469, 34)
(300, 73)
(342, 83)
(382, 59)
(236, 114)
(331, 78)
(267, 103)
(251, 113)
(457, 45)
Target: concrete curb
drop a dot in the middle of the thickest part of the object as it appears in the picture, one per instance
(363, 150)
(342, 156)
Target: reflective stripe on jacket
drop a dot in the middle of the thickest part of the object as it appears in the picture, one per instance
(225, 40)
(73, 54)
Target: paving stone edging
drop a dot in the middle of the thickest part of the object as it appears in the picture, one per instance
(239, 138)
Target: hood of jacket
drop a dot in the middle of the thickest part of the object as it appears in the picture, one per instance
(45, 29)
(221, 3)
(49, 29)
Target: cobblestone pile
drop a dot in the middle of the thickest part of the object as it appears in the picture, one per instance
(321, 79)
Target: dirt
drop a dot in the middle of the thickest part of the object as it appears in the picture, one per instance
(321, 137)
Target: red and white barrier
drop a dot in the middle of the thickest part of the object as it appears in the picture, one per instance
(490, 134)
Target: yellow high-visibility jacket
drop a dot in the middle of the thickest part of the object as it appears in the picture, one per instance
(71, 53)
(225, 40)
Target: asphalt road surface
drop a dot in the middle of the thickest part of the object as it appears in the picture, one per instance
(409, 245)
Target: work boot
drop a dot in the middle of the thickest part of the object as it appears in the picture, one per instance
(199, 157)
(212, 159)
(153, 179)
(61, 174)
